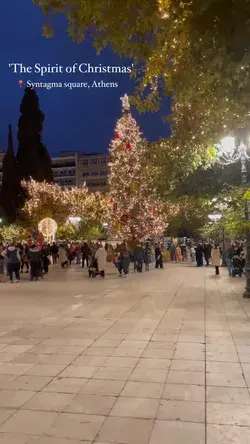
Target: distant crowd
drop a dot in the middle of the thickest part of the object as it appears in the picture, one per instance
(34, 259)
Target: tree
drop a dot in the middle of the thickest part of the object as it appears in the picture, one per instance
(134, 213)
(9, 181)
(33, 160)
(13, 233)
(196, 51)
(50, 200)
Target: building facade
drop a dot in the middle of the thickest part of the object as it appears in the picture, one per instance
(75, 169)
(94, 170)
(65, 169)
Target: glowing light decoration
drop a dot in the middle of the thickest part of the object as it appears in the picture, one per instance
(48, 228)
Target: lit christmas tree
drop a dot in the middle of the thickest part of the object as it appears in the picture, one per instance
(134, 213)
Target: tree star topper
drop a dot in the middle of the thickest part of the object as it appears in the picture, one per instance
(125, 103)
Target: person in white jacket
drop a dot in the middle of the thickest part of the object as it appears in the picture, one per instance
(216, 258)
(101, 257)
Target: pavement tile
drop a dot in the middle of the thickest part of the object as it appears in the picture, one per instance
(184, 392)
(103, 387)
(66, 385)
(113, 373)
(149, 375)
(125, 431)
(143, 389)
(228, 414)
(177, 432)
(185, 365)
(228, 395)
(186, 377)
(14, 398)
(77, 371)
(221, 434)
(29, 422)
(182, 411)
(76, 426)
(135, 407)
(91, 404)
(51, 402)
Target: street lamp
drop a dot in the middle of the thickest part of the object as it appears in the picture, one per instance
(229, 152)
(215, 217)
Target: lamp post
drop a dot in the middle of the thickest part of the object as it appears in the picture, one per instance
(216, 217)
(229, 152)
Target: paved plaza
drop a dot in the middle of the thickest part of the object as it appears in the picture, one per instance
(160, 357)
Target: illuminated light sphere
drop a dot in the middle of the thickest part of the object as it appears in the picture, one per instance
(48, 228)
(75, 220)
(228, 144)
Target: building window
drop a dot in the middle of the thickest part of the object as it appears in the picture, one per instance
(85, 174)
(104, 161)
(94, 173)
(103, 173)
(94, 161)
(84, 162)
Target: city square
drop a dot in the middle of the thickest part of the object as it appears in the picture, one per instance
(159, 357)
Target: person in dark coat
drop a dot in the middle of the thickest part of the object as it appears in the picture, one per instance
(35, 262)
(54, 252)
(146, 258)
(44, 255)
(85, 254)
(199, 255)
(138, 257)
(124, 261)
(207, 252)
(158, 257)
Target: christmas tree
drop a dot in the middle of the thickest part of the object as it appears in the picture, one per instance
(134, 213)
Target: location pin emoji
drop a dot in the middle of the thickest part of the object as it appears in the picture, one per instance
(20, 83)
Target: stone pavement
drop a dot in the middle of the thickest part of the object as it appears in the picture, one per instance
(162, 357)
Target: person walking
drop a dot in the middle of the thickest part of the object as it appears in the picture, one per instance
(85, 254)
(216, 258)
(207, 252)
(63, 258)
(158, 257)
(54, 252)
(45, 262)
(199, 255)
(34, 256)
(78, 253)
(101, 257)
(138, 257)
(13, 262)
(146, 258)
(124, 261)
(24, 259)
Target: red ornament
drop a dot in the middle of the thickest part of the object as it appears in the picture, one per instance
(128, 146)
(117, 136)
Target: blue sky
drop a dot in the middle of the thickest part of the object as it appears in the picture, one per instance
(77, 119)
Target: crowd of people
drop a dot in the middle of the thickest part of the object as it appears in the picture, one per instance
(18, 258)
(231, 255)
(36, 259)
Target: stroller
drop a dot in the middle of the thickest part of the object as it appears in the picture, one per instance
(237, 266)
(93, 268)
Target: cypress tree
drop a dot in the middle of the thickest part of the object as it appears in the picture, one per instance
(9, 181)
(33, 159)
